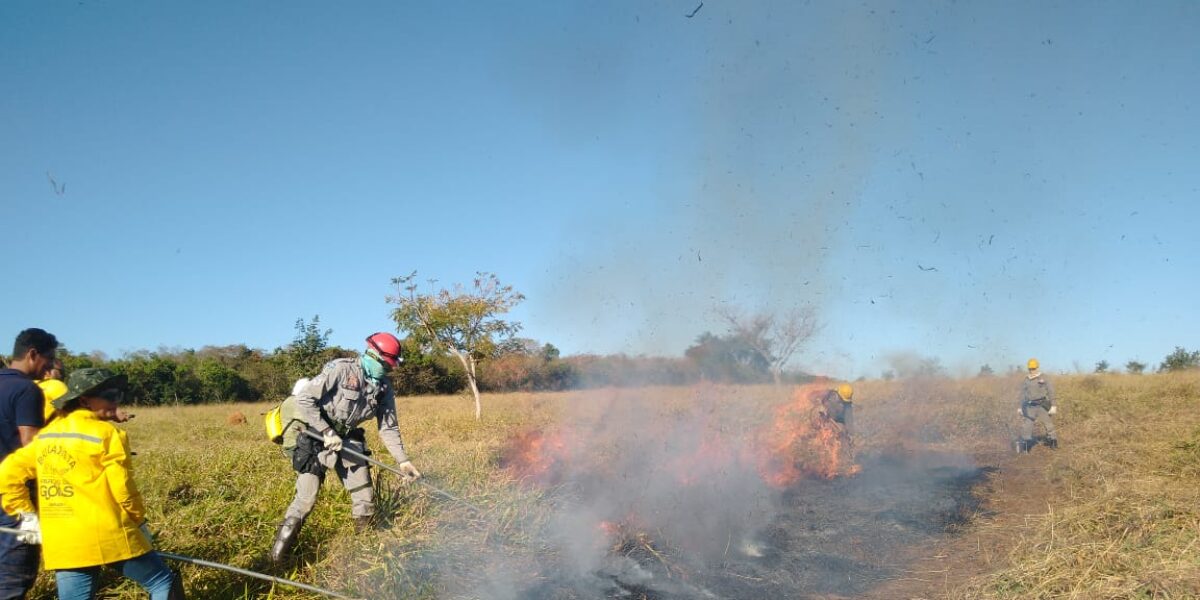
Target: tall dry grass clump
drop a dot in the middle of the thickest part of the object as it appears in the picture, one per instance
(971, 416)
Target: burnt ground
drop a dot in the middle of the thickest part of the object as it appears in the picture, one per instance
(845, 536)
(832, 539)
(1014, 495)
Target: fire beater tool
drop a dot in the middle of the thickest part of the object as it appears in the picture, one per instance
(429, 486)
(231, 568)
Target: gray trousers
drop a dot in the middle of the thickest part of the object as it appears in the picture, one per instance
(1037, 414)
(355, 475)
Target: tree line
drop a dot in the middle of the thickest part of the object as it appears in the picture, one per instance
(237, 372)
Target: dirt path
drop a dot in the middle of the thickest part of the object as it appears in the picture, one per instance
(1017, 490)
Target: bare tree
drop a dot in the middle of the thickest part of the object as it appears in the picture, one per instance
(776, 338)
(463, 322)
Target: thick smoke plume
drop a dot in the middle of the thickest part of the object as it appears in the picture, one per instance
(682, 475)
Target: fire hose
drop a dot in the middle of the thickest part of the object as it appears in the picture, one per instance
(248, 573)
(428, 486)
(224, 567)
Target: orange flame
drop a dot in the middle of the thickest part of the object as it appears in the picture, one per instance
(534, 455)
(804, 441)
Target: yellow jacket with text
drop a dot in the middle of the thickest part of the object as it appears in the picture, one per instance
(88, 506)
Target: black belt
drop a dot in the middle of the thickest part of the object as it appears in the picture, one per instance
(349, 433)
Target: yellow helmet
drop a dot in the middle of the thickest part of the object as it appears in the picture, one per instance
(1032, 364)
(845, 392)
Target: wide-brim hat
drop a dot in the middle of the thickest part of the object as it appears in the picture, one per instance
(89, 382)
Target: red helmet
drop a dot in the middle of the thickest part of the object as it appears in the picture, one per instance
(386, 346)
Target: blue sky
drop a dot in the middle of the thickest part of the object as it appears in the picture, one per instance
(230, 167)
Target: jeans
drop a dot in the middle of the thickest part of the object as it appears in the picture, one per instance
(18, 562)
(148, 570)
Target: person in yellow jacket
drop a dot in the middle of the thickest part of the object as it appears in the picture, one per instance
(89, 512)
(53, 387)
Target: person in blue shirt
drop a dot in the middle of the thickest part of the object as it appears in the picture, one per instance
(21, 416)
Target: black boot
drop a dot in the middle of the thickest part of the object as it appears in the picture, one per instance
(1053, 443)
(176, 592)
(285, 538)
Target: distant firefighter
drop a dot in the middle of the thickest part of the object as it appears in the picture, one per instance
(808, 437)
(1037, 406)
(838, 405)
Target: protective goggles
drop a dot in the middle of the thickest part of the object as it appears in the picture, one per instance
(388, 358)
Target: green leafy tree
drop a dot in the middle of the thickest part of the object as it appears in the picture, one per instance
(1135, 367)
(463, 322)
(220, 383)
(424, 374)
(156, 379)
(307, 352)
(1102, 366)
(1180, 360)
(266, 375)
(72, 361)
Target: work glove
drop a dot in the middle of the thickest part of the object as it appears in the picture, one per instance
(145, 529)
(31, 527)
(332, 440)
(410, 472)
(1053, 410)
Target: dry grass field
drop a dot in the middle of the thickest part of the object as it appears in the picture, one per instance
(1115, 513)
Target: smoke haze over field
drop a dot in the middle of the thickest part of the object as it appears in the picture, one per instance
(665, 493)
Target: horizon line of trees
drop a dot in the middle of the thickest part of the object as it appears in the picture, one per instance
(237, 372)
(1180, 359)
